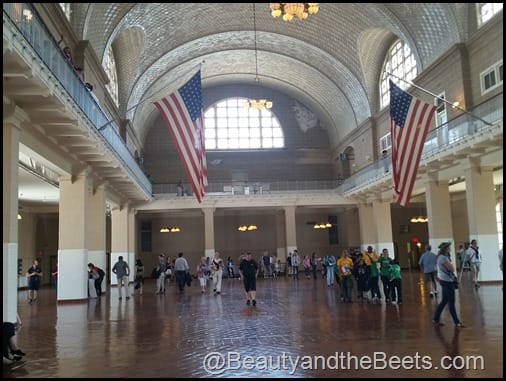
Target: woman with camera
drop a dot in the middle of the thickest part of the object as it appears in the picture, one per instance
(446, 276)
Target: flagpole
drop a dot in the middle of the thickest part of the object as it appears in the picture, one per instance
(156, 92)
(438, 97)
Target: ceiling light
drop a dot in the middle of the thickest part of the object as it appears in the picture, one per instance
(420, 218)
(27, 14)
(258, 104)
(170, 229)
(322, 225)
(290, 10)
(244, 228)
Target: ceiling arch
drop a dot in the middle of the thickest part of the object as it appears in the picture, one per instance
(329, 61)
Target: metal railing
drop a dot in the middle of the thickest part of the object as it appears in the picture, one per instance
(458, 129)
(258, 188)
(27, 21)
(36, 34)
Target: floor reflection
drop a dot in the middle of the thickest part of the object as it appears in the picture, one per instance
(298, 329)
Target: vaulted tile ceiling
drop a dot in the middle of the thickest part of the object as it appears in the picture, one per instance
(331, 61)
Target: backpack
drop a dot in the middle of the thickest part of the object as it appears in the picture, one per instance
(155, 274)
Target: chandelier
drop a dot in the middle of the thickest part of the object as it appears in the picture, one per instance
(170, 229)
(244, 228)
(258, 104)
(420, 218)
(322, 225)
(289, 10)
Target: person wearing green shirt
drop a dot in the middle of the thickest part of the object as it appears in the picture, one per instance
(395, 282)
(371, 259)
(385, 262)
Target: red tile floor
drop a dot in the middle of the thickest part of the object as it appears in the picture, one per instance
(298, 329)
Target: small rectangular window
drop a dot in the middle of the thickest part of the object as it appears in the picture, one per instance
(385, 142)
(146, 243)
(491, 77)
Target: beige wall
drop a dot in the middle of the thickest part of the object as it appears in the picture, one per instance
(307, 154)
(38, 232)
(27, 240)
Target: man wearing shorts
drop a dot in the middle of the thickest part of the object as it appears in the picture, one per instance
(249, 272)
(428, 265)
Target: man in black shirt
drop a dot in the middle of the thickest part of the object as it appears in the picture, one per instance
(249, 272)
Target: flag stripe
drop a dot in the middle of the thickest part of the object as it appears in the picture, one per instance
(187, 131)
(179, 131)
(184, 134)
(410, 122)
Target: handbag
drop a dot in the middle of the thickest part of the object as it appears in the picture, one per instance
(455, 282)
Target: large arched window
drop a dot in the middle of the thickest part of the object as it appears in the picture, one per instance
(66, 9)
(110, 69)
(231, 126)
(400, 62)
(486, 11)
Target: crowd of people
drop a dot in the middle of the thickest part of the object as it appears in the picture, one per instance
(367, 270)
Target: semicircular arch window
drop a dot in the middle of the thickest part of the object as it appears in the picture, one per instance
(399, 61)
(231, 126)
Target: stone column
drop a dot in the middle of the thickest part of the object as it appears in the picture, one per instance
(290, 228)
(132, 242)
(209, 231)
(382, 219)
(368, 233)
(97, 230)
(439, 213)
(481, 201)
(119, 239)
(280, 236)
(11, 132)
(73, 231)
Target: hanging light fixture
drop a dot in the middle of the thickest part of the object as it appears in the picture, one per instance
(290, 10)
(322, 225)
(170, 229)
(244, 228)
(258, 104)
(419, 218)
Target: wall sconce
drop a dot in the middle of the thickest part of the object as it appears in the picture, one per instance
(20, 217)
(170, 229)
(244, 228)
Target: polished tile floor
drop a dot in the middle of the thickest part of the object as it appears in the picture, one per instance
(298, 329)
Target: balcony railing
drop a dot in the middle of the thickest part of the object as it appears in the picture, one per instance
(36, 34)
(254, 188)
(26, 19)
(458, 129)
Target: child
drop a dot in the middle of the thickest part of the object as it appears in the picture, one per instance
(277, 268)
(395, 282)
(362, 274)
(202, 271)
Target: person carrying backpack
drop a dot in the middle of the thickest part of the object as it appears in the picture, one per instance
(98, 275)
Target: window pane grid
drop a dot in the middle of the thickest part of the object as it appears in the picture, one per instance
(229, 125)
(401, 63)
(486, 11)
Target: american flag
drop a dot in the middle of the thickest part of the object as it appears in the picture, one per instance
(410, 119)
(182, 113)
